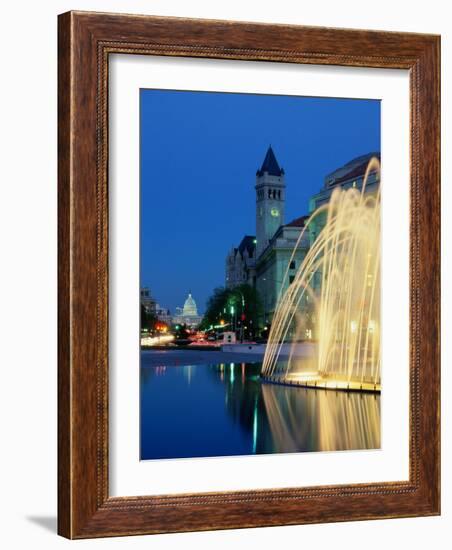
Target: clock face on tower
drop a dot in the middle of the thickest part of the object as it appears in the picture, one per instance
(274, 212)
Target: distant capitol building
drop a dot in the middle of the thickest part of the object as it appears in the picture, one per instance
(188, 315)
(262, 260)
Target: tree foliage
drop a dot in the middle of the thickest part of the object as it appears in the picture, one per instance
(148, 319)
(243, 300)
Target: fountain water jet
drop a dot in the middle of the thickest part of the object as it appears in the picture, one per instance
(340, 275)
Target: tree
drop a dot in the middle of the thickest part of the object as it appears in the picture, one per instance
(216, 304)
(148, 319)
(247, 306)
(237, 307)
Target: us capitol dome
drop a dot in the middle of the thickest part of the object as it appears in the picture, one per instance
(188, 315)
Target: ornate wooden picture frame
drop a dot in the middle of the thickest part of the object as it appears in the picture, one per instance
(86, 40)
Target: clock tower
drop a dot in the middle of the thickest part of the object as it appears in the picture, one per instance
(270, 198)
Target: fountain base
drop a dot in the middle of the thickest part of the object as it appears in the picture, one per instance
(319, 382)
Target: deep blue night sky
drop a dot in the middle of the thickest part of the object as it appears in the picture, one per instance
(199, 156)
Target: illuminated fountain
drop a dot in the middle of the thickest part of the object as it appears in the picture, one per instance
(340, 276)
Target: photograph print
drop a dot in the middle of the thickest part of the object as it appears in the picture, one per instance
(259, 274)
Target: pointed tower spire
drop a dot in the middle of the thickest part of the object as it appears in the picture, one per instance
(270, 165)
(270, 198)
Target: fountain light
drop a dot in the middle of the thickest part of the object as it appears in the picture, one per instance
(345, 257)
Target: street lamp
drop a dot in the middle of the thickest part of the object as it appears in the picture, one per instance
(243, 312)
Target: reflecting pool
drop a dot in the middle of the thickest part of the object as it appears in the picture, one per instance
(224, 409)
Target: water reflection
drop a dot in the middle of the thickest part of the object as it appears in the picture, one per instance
(321, 420)
(225, 409)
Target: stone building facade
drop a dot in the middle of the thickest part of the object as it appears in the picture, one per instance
(265, 260)
(241, 263)
(151, 306)
(277, 265)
